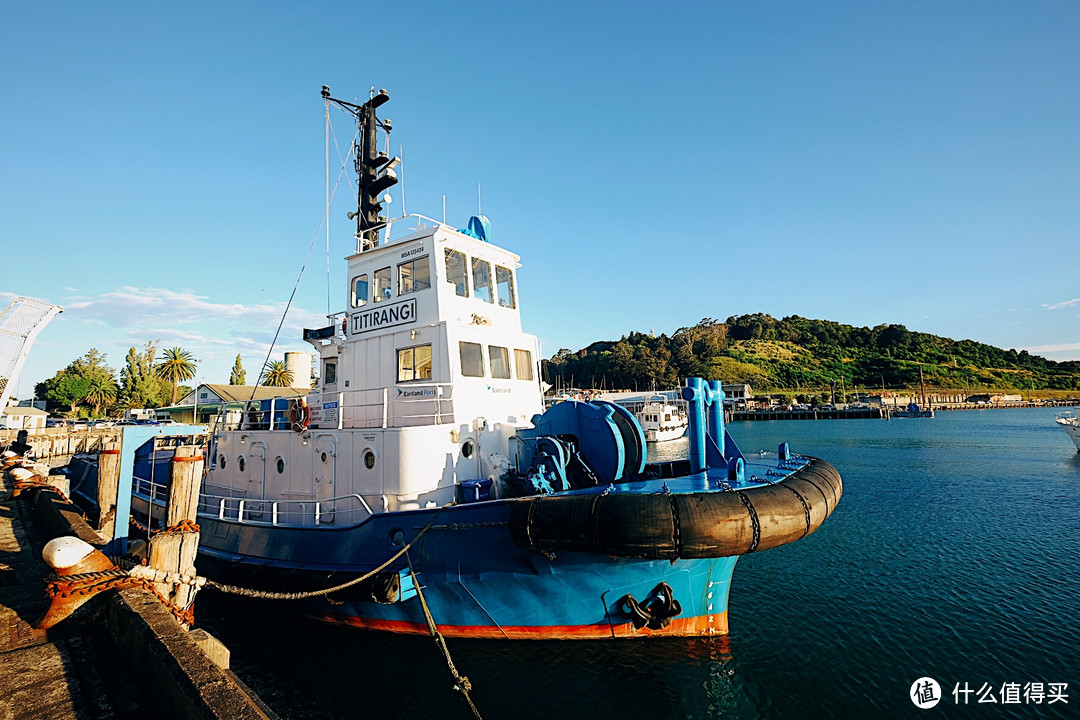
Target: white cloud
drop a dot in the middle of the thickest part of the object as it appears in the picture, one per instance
(130, 306)
(1063, 347)
(213, 332)
(1063, 304)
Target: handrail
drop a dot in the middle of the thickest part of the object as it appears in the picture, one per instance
(364, 409)
(278, 508)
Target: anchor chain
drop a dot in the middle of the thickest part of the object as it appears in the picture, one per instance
(116, 579)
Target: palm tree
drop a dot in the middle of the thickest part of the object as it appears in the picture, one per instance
(102, 391)
(276, 374)
(176, 364)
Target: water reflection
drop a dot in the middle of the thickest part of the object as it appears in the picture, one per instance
(304, 669)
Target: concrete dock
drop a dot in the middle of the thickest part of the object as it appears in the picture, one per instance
(122, 655)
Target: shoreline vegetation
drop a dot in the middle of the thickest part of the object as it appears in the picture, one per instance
(805, 360)
(800, 357)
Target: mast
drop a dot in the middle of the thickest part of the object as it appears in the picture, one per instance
(374, 169)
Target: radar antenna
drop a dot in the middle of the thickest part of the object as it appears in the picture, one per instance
(374, 169)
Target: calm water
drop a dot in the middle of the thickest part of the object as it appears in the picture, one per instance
(954, 554)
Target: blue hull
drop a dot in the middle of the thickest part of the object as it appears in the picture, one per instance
(476, 582)
(646, 558)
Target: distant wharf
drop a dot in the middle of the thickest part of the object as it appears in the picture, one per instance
(884, 411)
(752, 409)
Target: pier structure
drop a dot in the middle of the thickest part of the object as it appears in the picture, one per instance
(811, 414)
(125, 653)
(56, 446)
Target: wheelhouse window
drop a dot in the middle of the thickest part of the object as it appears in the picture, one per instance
(360, 290)
(523, 364)
(414, 363)
(472, 359)
(414, 275)
(383, 284)
(481, 280)
(329, 372)
(500, 362)
(456, 273)
(504, 286)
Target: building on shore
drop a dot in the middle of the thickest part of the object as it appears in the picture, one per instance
(205, 403)
(17, 417)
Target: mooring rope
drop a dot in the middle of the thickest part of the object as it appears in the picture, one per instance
(462, 683)
(269, 595)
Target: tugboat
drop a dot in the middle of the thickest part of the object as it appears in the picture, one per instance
(426, 465)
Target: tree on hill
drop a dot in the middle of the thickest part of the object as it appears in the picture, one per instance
(176, 364)
(276, 374)
(238, 375)
(797, 352)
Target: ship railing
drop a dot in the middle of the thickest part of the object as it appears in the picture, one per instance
(342, 509)
(157, 492)
(405, 406)
(410, 227)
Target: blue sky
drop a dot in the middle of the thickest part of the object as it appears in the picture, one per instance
(653, 164)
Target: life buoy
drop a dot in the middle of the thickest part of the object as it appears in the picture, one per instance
(299, 415)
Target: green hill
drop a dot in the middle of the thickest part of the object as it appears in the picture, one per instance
(797, 353)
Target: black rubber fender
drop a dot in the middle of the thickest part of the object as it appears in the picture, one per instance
(680, 525)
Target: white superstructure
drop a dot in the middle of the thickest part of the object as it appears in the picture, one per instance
(422, 382)
(662, 421)
(1070, 423)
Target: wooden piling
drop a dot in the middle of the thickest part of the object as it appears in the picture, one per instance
(108, 480)
(171, 550)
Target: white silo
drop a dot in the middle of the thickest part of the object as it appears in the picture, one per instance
(299, 364)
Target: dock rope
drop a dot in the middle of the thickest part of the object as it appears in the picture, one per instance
(461, 682)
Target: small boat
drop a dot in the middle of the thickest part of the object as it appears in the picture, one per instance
(661, 420)
(913, 411)
(424, 472)
(1070, 423)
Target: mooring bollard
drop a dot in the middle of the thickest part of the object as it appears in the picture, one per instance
(173, 549)
(70, 557)
(108, 479)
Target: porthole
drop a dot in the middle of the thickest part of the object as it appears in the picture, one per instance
(467, 449)
(241, 464)
(369, 460)
(323, 456)
(280, 465)
(221, 461)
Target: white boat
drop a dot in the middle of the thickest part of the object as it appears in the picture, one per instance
(1070, 423)
(661, 420)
